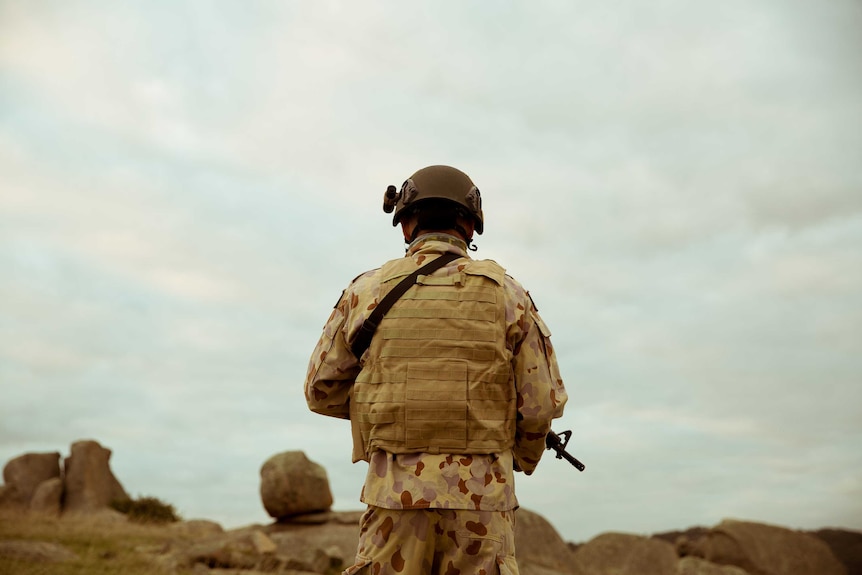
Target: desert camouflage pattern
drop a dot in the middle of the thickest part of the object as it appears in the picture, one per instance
(438, 377)
(440, 481)
(424, 480)
(438, 541)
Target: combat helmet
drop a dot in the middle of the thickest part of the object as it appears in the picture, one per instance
(437, 183)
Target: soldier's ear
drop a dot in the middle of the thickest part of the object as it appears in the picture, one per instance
(469, 226)
(408, 223)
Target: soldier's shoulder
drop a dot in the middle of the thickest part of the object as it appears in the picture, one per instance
(364, 278)
(396, 268)
(487, 268)
(514, 286)
(393, 267)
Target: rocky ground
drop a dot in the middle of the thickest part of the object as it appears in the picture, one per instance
(70, 511)
(324, 543)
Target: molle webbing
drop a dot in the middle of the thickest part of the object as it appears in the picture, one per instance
(369, 326)
(438, 377)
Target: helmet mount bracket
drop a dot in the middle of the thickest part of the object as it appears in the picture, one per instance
(390, 199)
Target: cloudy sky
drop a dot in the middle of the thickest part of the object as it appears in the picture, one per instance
(186, 187)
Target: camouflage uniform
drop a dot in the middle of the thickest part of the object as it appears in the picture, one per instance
(450, 511)
(418, 541)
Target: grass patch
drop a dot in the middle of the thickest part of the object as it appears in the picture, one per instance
(146, 510)
(104, 546)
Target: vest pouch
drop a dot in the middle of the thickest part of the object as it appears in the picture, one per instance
(436, 406)
(377, 408)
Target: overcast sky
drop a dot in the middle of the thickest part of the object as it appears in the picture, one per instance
(186, 188)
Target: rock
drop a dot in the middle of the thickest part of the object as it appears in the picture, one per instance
(330, 545)
(304, 552)
(846, 545)
(767, 550)
(291, 484)
(682, 540)
(625, 554)
(338, 537)
(196, 528)
(24, 474)
(41, 551)
(347, 517)
(252, 549)
(527, 568)
(262, 543)
(48, 497)
(90, 484)
(336, 559)
(8, 497)
(247, 549)
(538, 543)
(698, 566)
(322, 518)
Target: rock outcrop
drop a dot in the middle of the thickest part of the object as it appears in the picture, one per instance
(335, 533)
(538, 545)
(308, 537)
(291, 484)
(845, 545)
(249, 550)
(89, 483)
(35, 481)
(196, 528)
(698, 566)
(280, 547)
(767, 550)
(23, 475)
(625, 554)
(48, 497)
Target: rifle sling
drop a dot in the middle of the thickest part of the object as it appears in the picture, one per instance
(369, 326)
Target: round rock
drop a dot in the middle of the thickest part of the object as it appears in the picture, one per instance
(291, 484)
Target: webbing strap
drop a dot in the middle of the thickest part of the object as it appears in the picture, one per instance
(369, 326)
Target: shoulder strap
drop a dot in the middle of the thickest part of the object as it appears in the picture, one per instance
(369, 326)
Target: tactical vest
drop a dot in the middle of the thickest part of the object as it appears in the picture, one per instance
(438, 375)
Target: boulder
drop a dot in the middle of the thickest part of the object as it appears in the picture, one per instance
(698, 566)
(196, 528)
(251, 549)
(291, 484)
(538, 544)
(337, 539)
(90, 484)
(763, 549)
(846, 545)
(625, 554)
(8, 497)
(48, 497)
(24, 473)
(305, 552)
(527, 568)
(232, 550)
(324, 517)
(682, 540)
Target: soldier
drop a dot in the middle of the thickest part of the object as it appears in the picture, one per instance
(454, 392)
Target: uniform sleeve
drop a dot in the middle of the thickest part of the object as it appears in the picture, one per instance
(333, 367)
(541, 395)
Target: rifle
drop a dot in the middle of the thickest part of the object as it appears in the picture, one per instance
(558, 444)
